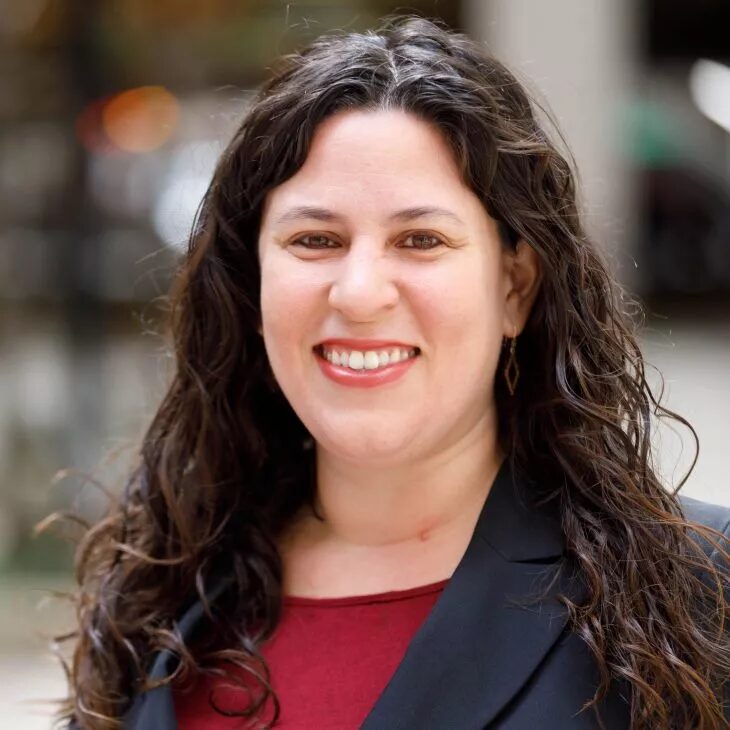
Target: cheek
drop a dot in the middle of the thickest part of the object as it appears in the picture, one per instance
(291, 315)
(461, 315)
(287, 298)
(461, 308)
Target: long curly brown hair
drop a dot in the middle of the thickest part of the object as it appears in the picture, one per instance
(225, 464)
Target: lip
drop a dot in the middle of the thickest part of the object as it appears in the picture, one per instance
(363, 378)
(354, 344)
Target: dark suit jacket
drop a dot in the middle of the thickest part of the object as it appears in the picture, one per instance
(479, 661)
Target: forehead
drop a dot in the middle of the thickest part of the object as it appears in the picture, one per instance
(387, 141)
(377, 158)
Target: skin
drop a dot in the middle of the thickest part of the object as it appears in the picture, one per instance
(403, 469)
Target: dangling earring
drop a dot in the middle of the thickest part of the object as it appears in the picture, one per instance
(512, 369)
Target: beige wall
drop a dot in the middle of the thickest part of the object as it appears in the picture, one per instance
(580, 58)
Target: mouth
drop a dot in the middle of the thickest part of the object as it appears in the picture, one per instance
(381, 363)
(369, 359)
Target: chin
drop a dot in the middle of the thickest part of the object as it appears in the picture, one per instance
(370, 445)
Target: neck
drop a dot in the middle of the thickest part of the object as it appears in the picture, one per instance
(373, 506)
(389, 527)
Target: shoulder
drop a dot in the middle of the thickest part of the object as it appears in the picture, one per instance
(711, 515)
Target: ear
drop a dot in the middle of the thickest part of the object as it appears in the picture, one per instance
(523, 274)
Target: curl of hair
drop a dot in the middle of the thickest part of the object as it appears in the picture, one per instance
(224, 464)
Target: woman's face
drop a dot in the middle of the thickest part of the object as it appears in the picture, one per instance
(376, 247)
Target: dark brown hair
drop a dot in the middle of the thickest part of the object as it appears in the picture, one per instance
(224, 464)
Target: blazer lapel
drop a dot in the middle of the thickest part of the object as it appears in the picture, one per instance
(154, 709)
(476, 649)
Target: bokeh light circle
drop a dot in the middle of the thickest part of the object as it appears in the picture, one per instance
(141, 119)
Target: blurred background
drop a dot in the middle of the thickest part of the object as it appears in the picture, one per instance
(112, 114)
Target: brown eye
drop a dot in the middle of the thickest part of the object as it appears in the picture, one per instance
(423, 241)
(314, 241)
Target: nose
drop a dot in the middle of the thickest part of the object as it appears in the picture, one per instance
(363, 287)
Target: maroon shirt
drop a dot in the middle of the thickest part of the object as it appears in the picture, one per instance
(330, 658)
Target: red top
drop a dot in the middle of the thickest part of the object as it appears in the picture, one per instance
(330, 658)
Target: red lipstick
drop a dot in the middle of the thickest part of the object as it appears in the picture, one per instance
(352, 344)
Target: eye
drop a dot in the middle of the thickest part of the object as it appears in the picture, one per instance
(314, 241)
(423, 241)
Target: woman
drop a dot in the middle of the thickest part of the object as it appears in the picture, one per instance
(402, 477)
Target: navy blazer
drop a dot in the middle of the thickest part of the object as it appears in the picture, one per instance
(480, 661)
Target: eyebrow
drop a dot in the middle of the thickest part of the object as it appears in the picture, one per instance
(407, 214)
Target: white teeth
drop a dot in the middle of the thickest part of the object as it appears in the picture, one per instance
(356, 361)
(369, 359)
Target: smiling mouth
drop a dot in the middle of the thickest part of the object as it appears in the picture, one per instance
(362, 360)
